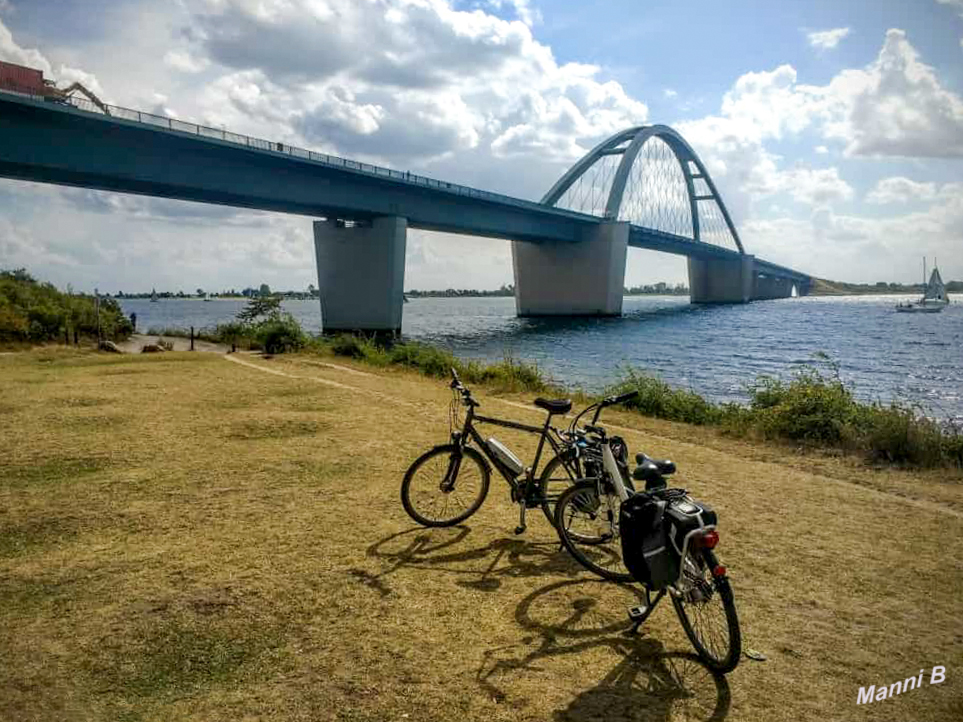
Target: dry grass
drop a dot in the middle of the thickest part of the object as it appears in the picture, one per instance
(183, 538)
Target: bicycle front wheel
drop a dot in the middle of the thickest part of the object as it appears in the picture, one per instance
(588, 525)
(445, 486)
(708, 614)
(554, 480)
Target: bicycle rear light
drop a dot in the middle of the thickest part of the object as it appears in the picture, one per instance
(708, 540)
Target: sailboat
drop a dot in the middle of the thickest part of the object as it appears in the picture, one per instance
(934, 295)
(153, 296)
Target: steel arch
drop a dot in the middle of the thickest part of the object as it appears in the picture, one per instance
(628, 143)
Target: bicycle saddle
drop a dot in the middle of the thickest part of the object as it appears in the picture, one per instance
(554, 406)
(663, 466)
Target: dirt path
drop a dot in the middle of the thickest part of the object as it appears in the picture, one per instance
(902, 498)
(138, 340)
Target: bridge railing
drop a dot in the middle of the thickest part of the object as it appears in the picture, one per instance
(169, 123)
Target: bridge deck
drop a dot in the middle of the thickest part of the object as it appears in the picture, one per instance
(134, 152)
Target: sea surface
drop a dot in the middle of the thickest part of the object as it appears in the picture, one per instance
(715, 350)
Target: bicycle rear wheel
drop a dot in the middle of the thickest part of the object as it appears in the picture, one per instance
(708, 614)
(445, 486)
(588, 525)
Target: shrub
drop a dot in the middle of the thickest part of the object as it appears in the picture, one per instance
(260, 307)
(808, 408)
(656, 398)
(429, 360)
(279, 333)
(509, 374)
(35, 312)
(896, 435)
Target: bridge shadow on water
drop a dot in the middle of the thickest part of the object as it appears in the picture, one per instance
(557, 621)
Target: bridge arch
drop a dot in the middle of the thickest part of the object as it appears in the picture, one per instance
(648, 175)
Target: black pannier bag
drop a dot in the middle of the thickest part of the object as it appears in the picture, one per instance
(645, 548)
(684, 516)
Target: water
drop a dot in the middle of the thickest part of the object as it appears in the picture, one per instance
(714, 350)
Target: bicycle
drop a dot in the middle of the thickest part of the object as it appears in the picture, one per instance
(672, 550)
(456, 476)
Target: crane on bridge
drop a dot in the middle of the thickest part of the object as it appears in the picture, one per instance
(30, 81)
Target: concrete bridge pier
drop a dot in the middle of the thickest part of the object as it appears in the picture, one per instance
(769, 287)
(572, 279)
(721, 281)
(361, 274)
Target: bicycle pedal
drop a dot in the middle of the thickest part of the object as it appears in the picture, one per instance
(636, 614)
(519, 530)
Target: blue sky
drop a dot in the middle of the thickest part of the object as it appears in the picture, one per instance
(834, 130)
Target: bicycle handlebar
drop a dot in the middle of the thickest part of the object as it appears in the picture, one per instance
(621, 398)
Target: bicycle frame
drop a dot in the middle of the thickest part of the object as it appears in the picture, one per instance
(470, 433)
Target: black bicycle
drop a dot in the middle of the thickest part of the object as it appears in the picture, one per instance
(449, 483)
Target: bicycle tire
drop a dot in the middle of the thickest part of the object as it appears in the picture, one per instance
(467, 455)
(722, 663)
(589, 550)
(550, 489)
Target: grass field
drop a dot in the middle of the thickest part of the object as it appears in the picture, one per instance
(183, 537)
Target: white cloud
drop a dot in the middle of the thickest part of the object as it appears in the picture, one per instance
(817, 187)
(523, 10)
(821, 149)
(13, 53)
(958, 4)
(901, 190)
(827, 39)
(896, 106)
(670, 93)
(863, 249)
(183, 61)
(469, 97)
(401, 81)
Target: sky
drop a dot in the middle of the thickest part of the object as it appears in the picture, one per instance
(832, 129)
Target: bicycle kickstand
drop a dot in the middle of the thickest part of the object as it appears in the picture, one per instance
(520, 529)
(637, 615)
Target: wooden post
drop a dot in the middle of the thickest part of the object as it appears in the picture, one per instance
(100, 336)
(192, 338)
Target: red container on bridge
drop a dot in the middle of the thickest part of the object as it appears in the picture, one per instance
(19, 79)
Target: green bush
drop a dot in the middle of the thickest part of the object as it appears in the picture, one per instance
(429, 360)
(656, 398)
(809, 408)
(508, 374)
(896, 435)
(34, 312)
(812, 409)
(279, 333)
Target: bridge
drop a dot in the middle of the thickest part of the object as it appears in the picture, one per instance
(644, 187)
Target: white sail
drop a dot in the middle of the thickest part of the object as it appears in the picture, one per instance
(935, 290)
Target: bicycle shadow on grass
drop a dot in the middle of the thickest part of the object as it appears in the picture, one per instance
(449, 550)
(647, 685)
